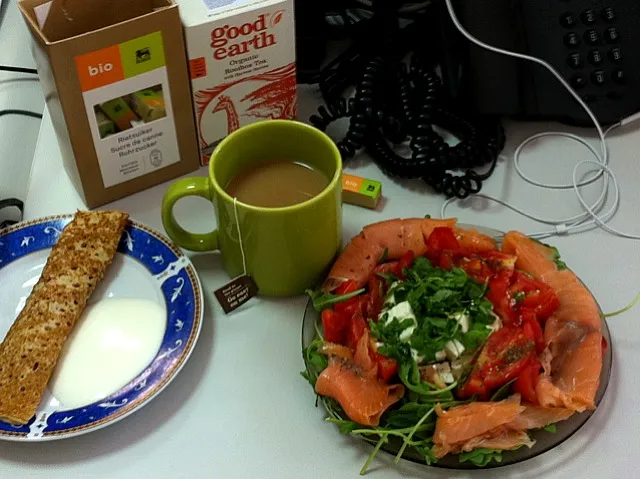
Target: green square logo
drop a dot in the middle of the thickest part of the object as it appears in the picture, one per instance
(370, 188)
(142, 54)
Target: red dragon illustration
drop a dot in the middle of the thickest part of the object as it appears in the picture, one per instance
(274, 100)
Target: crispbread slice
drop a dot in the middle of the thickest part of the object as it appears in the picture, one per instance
(30, 349)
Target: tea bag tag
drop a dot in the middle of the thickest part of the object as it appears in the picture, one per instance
(241, 289)
(236, 292)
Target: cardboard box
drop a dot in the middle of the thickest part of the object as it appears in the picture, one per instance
(96, 58)
(242, 62)
(361, 191)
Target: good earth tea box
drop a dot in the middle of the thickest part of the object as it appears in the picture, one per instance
(115, 78)
(242, 63)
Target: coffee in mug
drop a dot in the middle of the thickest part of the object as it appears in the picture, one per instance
(276, 189)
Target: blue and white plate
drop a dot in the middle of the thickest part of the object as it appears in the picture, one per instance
(147, 266)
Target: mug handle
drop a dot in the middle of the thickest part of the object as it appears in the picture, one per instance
(197, 186)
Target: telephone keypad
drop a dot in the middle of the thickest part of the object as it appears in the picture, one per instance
(589, 16)
(574, 60)
(578, 80)
(598, 77)
(615, 55)
(608, 14)
(611, 35)
(568, 20)
(595, 57)
(618, 76)
(594, 27)
(592, 37)
(571, 39)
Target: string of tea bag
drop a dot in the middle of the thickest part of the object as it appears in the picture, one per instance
(242, 288)
(235, 213)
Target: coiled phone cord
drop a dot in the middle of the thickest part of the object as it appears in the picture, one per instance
(591, 218)
(392, 104)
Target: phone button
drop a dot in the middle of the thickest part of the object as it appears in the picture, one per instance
(595, 57)
(611, 35)
(598, 77)
(609, 14)
(619, 77)
(567, 20)
(615, 55)
(591, 37)
(589, 98)
(589, 16)
(574, 60)
(571, 39)
(578, 81)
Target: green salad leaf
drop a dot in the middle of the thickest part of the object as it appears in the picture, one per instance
(322, 301)
(560, 265)
(550, 428)
(436, 297)
(481, 457)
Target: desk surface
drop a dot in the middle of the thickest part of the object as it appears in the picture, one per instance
(239, 408)
(17, 91)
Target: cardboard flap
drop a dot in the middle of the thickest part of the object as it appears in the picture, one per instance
(68, 18)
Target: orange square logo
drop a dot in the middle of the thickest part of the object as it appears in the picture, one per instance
(198, 67)
(99, 68)
(351, 183)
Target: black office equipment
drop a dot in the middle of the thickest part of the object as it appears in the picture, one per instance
(386, 82)
(592, 43)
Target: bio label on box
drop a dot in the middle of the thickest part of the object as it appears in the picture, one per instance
(242, 64)
(115, 82)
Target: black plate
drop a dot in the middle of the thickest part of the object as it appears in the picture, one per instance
(544, 440)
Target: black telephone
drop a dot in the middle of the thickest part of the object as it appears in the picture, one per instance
(592, 43)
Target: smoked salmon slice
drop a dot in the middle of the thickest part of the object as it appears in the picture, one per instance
(492, 425)
(573, 335)
(395, 237)
(536, 417)
(474, 241)
(362, 396)
(356, 387)
(502, 439)
(457, 426)
(574, 382)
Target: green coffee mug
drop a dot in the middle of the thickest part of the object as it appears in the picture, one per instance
(286, 249)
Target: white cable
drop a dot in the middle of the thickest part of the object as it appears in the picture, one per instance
(584, 221)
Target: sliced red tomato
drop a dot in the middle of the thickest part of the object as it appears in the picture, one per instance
(335, 326)
(498, 294)
(505, 354)
(531, 327)
(347, 305)
(355, 330)
(347, 287)
(475, 267)
(440, 239)
(474, 386)
(533, 294)
(526, 382)
(499, 262)
(387, 367)
(446, 260)
(405, 263)
(386, 268)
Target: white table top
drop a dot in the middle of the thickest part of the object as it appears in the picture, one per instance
(239, 408)
(17, 91)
